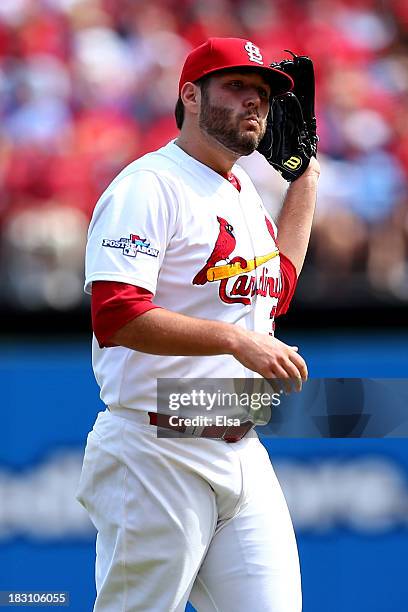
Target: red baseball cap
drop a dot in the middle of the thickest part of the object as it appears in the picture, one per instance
(222, 53)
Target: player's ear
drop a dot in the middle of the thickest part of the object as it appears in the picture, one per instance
(191, 97)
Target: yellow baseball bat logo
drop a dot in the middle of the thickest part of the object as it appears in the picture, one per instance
(293, 163)
(220, 272)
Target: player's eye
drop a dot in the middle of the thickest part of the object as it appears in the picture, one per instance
(235, 84)
(263, 93)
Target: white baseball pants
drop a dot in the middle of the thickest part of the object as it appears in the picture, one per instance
(186, 519)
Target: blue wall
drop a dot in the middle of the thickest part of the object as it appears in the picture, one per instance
(349, 563)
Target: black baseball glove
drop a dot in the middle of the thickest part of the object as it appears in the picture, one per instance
(290, 139)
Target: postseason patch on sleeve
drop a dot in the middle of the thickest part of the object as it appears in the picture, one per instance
(131, 246)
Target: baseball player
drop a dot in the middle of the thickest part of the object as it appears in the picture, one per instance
(187, 275)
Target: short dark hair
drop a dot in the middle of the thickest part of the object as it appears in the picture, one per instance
(179, 113)
(179, 109)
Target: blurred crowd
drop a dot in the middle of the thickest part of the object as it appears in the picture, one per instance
(88, 85)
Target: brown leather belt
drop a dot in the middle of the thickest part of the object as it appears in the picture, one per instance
(228, 434)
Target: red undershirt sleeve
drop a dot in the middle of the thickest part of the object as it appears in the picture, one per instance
(289, 282)
(113, 305)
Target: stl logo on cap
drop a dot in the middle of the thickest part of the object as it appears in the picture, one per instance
(254, 53)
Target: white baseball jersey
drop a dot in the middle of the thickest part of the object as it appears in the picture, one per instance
(184, 518)
(164, 222)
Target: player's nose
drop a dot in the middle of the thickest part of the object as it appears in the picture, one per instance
(252, 98)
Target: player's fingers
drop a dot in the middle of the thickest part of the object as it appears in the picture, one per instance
(300, 364)
(281, 379)
(294, 374)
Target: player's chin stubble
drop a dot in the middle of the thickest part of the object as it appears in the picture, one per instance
(219, 123)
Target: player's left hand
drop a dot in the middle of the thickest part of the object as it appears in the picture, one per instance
(290, 140)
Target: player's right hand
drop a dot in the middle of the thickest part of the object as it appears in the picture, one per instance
(274, 360)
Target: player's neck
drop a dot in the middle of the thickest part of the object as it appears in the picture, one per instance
(207, 151)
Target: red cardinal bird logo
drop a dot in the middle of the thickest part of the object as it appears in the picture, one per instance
(224, 246)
